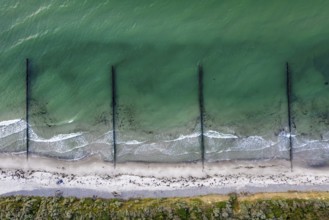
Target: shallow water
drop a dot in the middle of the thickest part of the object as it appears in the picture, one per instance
(156, 47)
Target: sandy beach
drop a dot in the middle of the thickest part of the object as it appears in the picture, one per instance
(91, 177)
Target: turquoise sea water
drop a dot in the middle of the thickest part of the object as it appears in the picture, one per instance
(156, 46)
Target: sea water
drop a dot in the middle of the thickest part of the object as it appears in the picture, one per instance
(156, 47)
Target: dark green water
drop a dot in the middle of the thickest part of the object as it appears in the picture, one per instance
(156, 47)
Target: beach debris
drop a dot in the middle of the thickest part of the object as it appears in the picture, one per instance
(116, 194)
(59, 193)
(60, 181)
(19, 174)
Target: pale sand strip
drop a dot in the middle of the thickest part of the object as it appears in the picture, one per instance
(43, 176)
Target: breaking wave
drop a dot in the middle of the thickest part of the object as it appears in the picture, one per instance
(185, 147)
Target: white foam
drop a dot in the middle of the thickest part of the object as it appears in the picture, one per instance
(133, 142)
(309, 144)
(286, 134)
(63, 151)
(66, 121)
(38, 11)
(182, 137)
(209, 134)
(11, 127)
(252, 143)
(216, 134)
(9, 122)
(56, 138)
(27, 38)
(32, 15)
(106, 138)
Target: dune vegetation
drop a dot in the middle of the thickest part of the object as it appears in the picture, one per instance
(291, 205)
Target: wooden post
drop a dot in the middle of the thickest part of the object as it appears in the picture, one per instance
(201, 108)
(288, 86)
(113, 73)
(27, 100)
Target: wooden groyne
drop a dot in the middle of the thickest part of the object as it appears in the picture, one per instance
(113, 76)
(27, 104)
(288, 91)
(201, 108)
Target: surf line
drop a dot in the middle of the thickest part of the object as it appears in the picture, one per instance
(113, 76)
(288, 87)
(27, 102)
(201, 108)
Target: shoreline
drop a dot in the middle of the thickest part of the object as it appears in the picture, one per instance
(91, 177)
(181, 193)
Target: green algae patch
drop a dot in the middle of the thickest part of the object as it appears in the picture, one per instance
(233, 206)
